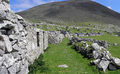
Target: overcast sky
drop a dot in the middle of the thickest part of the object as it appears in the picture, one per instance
(20, 5)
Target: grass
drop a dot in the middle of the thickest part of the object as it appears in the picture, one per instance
(70, 29)
(114, 50)
(63, 53)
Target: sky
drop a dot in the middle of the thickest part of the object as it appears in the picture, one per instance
(20, 5)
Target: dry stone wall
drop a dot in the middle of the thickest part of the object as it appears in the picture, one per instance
(55, 37)
(20, 42)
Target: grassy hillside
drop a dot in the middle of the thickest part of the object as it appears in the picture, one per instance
(72, 13)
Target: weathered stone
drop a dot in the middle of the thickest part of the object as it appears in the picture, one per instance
(18, 42)
(1, 60)
(7, 43)
(24, 68)
(45, 40)
(103, 65)
(19, 17)
(1, 52)
(12, 69)
(96, 46)
(13, 37)
(2, 45)
(55, 37)
(15, 68)
(96, 61)
(15, 47)
(96, 54)
(3, 70)
(16, 55)
(116, 61)
(8, 60)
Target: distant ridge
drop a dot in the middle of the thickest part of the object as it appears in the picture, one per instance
(72, 12)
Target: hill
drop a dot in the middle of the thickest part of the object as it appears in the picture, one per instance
(72, 12)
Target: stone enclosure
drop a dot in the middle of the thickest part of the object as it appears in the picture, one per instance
(96, 50)
(21, 43)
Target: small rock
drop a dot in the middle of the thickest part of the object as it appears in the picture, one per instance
(63, 66)
(112, 67)
(115, 44)
(116, 61)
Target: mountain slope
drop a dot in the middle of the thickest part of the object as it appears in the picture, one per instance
(72, 12)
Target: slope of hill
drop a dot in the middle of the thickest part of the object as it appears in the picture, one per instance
(72, 12)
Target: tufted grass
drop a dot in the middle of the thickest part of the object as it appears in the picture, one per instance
(63, 53)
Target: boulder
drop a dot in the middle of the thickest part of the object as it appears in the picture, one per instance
(116, 61)
(103, 65)
(96, 46)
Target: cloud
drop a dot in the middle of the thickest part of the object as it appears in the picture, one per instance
(24, 4)
(18, 10)
(109, 7)
(38, 2)
(19, 5)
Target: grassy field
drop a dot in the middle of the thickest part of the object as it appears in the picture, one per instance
(68, 28)
(114, 50)
(63, 53)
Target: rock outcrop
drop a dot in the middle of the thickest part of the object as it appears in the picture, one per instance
(20, 42)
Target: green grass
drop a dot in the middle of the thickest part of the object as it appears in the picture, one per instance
(71, 29)
(63, 53)
(114, 50)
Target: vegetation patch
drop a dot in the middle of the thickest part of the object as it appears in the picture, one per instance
(38, 65)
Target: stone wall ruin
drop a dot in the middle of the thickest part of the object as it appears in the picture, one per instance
(18, 42)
